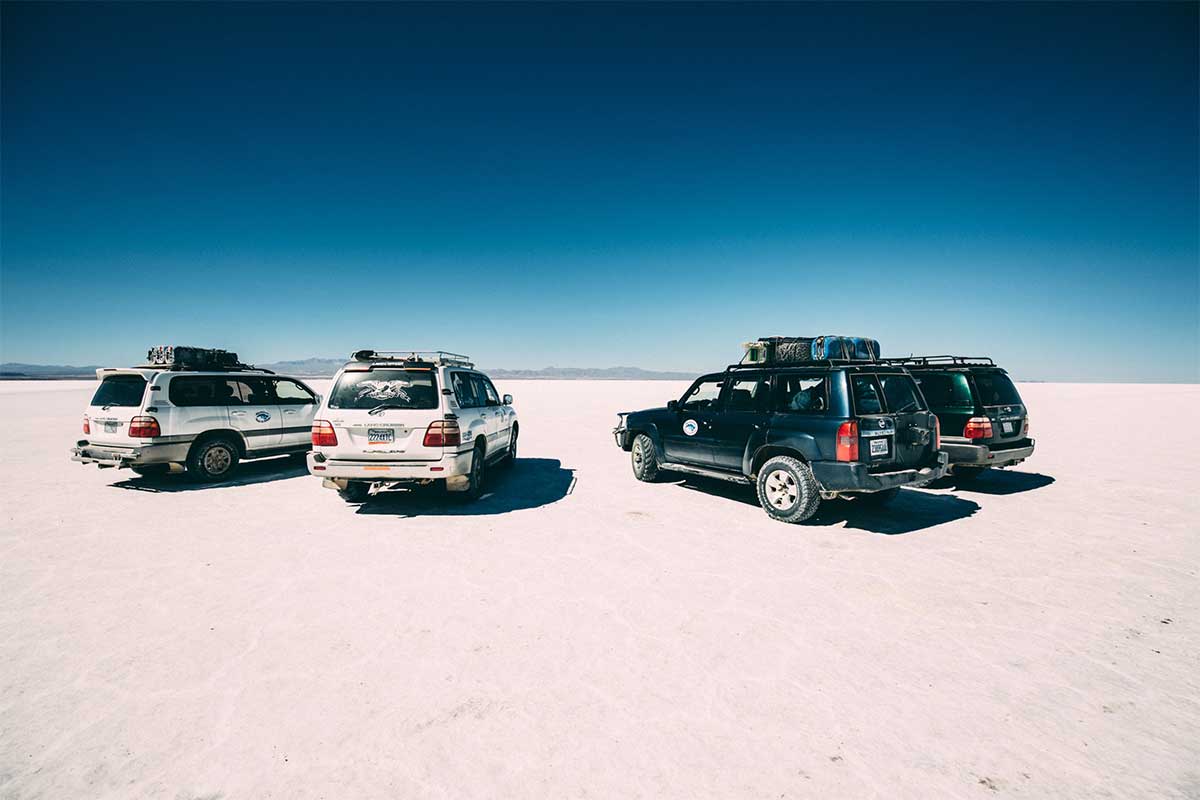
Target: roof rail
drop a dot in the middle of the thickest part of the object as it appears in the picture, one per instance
(957, 361)
(439, 357)
(818, 362)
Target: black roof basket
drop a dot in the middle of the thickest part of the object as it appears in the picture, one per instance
(438, 357)
(942, 361)
(181, 358)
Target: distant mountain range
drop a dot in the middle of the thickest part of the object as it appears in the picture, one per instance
(325, 367)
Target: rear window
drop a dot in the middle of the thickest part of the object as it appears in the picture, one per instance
(120, 390)
(900, 394)
(946, 391)
(396, 388)
(996, 389)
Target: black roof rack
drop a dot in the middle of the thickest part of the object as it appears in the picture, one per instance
(439, 357)
(180, 358)
(954, 361)
(822, 362)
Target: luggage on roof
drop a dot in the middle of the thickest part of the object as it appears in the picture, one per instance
(801, 349)
(197, 358)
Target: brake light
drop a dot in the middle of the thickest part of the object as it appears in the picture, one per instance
(847, 441)
(978, 428)
(443, 433)
(144, 428)
(1025, 432)
(87, 424)
(323, 434)
(937, 434)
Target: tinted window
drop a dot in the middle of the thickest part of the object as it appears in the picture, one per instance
(747, 394)
(801, 394)
(995, 389)
(703, 394)
(485, 390)
(120, 390)
(396, 387)
(199, 391)
(290, 393)
(946, 390)
(251, 392)
(464, 390)
(900, 393)
(866, 395)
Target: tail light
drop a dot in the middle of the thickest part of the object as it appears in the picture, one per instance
(443, 433)
(847, 441)
(978, 428)
(937, 434)
(1025, 431)
(144, 428)
(323, 434)
(87, 424)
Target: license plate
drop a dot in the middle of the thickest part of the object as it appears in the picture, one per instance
(380, 435)
(110, 427)
(1007, 427)
(879, 446)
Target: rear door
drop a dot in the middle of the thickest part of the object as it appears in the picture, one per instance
(899, 438)
(1000, 401)
(297, 406)
(492, 413)
(381, 413)
(254, 412)
(742, 412)
(116, 401)
(687, 434)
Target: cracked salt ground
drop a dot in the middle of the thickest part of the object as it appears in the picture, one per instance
(580, 633)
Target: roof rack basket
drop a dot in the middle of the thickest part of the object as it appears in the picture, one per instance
(180, 358)
(955, 361)
(439, 357)
(800, 351)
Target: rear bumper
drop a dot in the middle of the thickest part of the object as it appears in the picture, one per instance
(978, 455)
(108, 456)
(836, 476)
(450, 465)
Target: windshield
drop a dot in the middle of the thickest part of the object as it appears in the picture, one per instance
(995, 389)
(946, 390)
(395, 388)
(120, 390)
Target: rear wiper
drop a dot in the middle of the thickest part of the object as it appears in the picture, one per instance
(383, 407)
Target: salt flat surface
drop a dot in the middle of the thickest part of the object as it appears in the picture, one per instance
(579, 634)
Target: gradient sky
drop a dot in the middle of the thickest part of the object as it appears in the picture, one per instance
(594, 185)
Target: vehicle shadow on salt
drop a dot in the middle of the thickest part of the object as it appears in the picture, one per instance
(995, 481)
(911, 510)
(527, 483)
(248, 473)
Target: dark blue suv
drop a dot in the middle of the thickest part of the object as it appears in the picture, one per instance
(799, 432)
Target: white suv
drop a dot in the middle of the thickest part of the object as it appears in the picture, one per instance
(176, 414)
(411, 418)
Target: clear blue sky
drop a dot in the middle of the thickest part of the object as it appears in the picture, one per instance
(607, 184)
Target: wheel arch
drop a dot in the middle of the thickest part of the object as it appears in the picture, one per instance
(768, 451)
(221, 433)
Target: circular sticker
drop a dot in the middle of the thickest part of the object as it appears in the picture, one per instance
(262, 416)
(690, 427)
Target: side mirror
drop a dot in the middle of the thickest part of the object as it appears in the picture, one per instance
(508, 399)
(672, 405)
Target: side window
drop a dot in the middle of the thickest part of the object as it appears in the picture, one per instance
(290, 393)
(900, 394)
(801, 394)
(485, 391)
(746, 393)
(188, 391)
(866, 395)
(256, 391)
(464, 390)
(946, 391)
(702, 395)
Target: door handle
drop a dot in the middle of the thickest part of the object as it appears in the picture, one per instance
(237, 413)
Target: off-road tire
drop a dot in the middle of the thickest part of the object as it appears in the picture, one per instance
(476, 475)
(787, 490)
(878, 499)
(510, 457)
(644, 459)
(214, 458)
(152, 470)
(355, 492)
